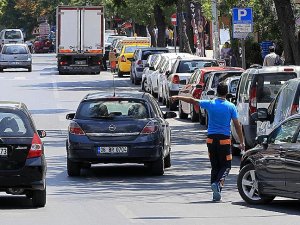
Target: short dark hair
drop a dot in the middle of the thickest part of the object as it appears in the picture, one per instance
(272, 49)
(222, 89)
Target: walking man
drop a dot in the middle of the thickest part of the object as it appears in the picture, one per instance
(272, 59)
(220, 113)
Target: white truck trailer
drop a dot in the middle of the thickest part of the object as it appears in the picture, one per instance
(80, 39)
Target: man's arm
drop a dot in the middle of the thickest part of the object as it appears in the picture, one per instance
(239, 131)
(185, 99)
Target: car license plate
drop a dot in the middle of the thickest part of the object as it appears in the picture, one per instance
(80, 62)
(16, 63)
(3, 152)
(112, 150)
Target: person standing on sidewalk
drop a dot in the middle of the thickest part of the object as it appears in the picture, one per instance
(272, 59)
(220, 114)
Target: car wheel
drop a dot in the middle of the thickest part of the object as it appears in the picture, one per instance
(194, 115)
(120, 74)
(182, 115)
(146, 86)
(248, 186)
(39, 198)
(167, 160)
(30, 69)
(234, 150)
(73, 168)
(158, 166)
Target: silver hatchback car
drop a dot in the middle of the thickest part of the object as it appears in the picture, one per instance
(15, 56)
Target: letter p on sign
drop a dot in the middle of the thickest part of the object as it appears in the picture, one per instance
(242, 13)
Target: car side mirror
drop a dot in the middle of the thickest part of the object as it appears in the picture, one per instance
(262, 139)
(70, 116)
(260, 115)
(168, 115)
(210, 92)
(42, 133)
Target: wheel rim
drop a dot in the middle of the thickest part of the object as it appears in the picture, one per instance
(250, 185)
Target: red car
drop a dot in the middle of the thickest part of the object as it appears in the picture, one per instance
(42, 45)
(194, 89)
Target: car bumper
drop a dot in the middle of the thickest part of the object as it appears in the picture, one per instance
(124, 67)
(85, 69)
(20, 64)
(31, 176)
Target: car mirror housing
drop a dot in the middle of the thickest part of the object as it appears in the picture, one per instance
(260, 115)
(262, 139)
(42, 133)
(169, 115)
(70, 116)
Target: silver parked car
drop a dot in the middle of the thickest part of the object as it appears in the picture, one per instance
(15, 56)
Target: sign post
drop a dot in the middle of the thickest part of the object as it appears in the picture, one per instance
(242, 20)
(174, 23)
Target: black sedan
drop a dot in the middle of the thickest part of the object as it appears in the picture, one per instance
(272, 168)
(22, 160)
(122, 129)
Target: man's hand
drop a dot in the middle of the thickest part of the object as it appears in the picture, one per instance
(185, 99)
(174, 98)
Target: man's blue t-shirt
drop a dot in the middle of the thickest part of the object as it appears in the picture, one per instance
(220, 112)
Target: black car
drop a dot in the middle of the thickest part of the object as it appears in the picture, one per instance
(22, 159)
(128, 128)
(272, 168)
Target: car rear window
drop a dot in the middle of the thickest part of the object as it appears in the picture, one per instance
(116, 109)
(12, 34)
(14, 124)
(146, 54)
(14, 49)
(268, 85)
(220, 77)
(190, 66)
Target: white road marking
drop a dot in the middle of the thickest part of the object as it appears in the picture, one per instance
(127, 213)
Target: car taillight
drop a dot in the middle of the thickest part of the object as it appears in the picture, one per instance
(75, 129)
(253, 100)
(99, 62)
(175, 79)
(62, 63)
(150, 128)
(197, 93)
(123, 59)
(139, 62)
(36, 147)
(295, 109)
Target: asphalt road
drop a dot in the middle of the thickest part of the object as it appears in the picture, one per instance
(122, 194)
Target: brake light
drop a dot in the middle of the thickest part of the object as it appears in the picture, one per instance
(123, 59)
(295, 109)
(150, 128)
(288, 69)
(62, 63)
(75, 129)
(253, 100)
(36, 147)
(175, 79)
(99, 62)
(139, 62)
(197, 93)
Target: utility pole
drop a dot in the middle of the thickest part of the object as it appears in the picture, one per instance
(215, 30)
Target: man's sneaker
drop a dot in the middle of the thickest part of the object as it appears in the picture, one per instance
(216, 192)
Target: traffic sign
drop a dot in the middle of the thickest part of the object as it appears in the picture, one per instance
(242, 20)
(174, 19)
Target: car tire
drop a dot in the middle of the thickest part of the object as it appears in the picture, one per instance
(234, 150)
(39, 198)
(158, 166)
(73, 168)
(182, 115)
(247, 186)
(29, 69)
(120, 74)
(194, 115)
(167, 161)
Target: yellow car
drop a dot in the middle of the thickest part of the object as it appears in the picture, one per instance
(126, 55)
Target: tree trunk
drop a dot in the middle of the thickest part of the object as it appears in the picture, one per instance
(152, 32)
(290, 39)
(161, 26)
(184, 40)
(189, 28)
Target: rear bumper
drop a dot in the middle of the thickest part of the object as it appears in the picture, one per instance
(23, 64)
(83, 69)
(124, 67)
(31, 176)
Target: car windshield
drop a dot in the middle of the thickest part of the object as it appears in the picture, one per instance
(268, 85)
(14, 49)
(14, 124)
(131, 49)
(190, 66)
(12, 34)
(146, 54)
(116, 109)
(221, 76)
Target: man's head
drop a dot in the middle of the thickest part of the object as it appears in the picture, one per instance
(271, 49)
(222, 89)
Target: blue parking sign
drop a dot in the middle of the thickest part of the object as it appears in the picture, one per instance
(242, 15)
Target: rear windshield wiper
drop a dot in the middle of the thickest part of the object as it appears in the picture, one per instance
(103, 117)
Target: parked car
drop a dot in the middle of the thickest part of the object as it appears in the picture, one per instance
(272, 168)
(15, 56)
(285, 104)
(149, 64)
(128, 128)
(257, 88)
(139, 61)
(42, 45)
(22, 159)
(209, 91)
(180, 75)
(11, 36)
(152, 68)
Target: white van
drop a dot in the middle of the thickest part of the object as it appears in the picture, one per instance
(11, 36)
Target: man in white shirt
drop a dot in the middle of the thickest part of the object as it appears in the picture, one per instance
(272, 59)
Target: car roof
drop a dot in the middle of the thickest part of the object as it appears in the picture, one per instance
(154, 48)
(17, 44)
(101, 95)
(274, 69)
(221, 68)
